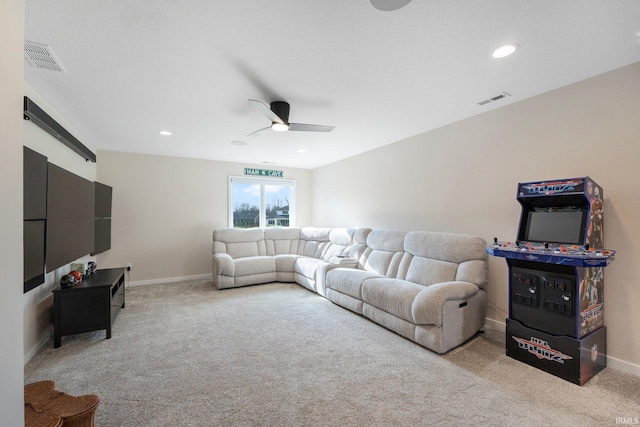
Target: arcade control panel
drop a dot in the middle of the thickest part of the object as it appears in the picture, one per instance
(553, 253)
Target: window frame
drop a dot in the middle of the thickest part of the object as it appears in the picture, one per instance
(262, 181)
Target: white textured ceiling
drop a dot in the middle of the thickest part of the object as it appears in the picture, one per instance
(134, 67)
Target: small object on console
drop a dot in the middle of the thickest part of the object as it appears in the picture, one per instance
(91, 267)
(77, 275)
(67, 281)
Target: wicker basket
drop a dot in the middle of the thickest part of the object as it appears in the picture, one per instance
(46, 407)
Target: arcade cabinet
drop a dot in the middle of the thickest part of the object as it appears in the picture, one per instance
(556, 279)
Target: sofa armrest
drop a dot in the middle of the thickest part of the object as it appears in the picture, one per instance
(429, 303)
(344, 261)
(223, 265)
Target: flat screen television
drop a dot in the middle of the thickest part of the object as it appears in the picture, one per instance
(556, 225)
(70, 217)
(102, 240)
(34, 250)
(102, 233)
(35, 185)
(34, 215)
(103, 200)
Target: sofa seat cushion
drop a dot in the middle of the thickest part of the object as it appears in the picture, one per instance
(394, 296)
(285, 263)
(254, 265)
(308, 267)
(349, 281)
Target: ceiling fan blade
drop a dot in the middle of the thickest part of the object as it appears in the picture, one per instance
(259, 131)
(264, 109)
(310, 128)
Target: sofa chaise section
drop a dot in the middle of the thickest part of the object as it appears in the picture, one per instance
(432, 291)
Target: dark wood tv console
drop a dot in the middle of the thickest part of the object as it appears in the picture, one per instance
(91, 305)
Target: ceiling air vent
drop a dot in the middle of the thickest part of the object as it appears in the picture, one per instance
(494, 98)
(41, 56)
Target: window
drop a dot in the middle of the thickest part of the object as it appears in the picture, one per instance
(261, 202)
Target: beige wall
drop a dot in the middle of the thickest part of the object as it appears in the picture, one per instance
(11, 77)
(165, 209)
(463, 178)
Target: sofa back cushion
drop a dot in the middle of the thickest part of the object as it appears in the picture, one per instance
(313, 241)
(340, 242)
(360, 236)
(433, 257)
(282, 240)
(384, 251)
(359, 245)
(239, 242)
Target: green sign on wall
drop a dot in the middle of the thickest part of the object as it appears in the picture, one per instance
(263, 172)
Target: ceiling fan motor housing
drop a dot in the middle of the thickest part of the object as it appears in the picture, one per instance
(281, 109)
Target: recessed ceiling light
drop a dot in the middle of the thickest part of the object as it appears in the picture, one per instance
(164, 132)
(389, 5)
(505, 50)
(238, 142)
(302, 151)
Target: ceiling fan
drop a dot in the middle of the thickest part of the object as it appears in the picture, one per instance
(278, 113)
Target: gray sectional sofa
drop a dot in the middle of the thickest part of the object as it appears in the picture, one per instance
(425, 286)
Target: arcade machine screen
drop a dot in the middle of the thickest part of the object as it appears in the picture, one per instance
(557, 225)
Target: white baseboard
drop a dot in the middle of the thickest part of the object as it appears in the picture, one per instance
(624, 366)
(612, 362)
(495, 325)
(169, 280)
(41, 343)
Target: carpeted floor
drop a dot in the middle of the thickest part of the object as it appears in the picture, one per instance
(184, 354)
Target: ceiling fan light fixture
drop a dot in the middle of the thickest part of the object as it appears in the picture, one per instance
(280, 127)
(505, 50)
